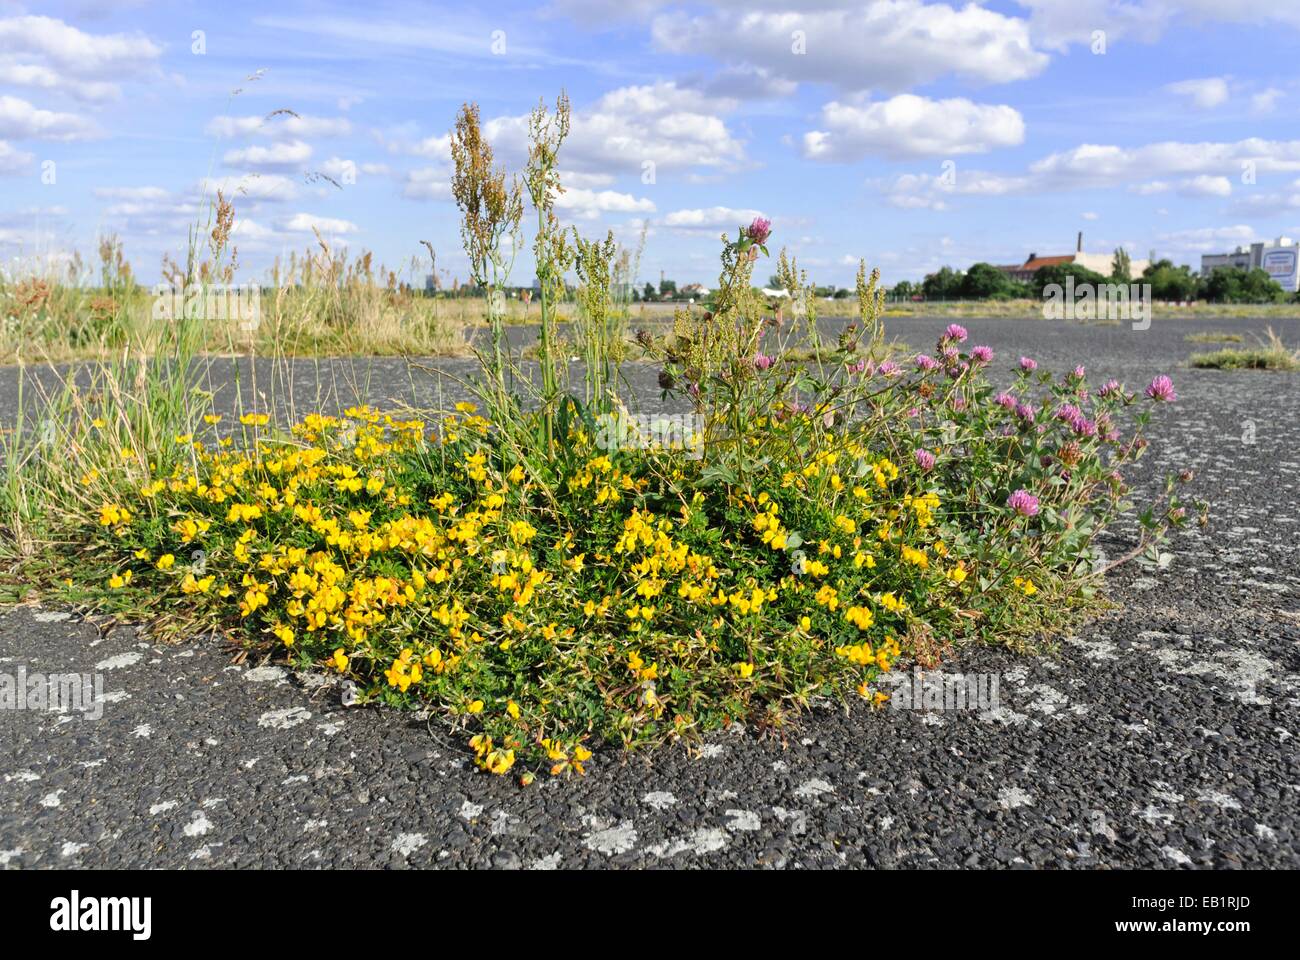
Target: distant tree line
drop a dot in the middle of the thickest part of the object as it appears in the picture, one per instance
(983, 281)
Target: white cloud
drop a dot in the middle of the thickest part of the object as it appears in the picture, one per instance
(664, 124)
(912, 126)
(710, 219)
(290, 154)
(12, 160)
(1201, 169)
(588, 204)
(1205, 185)
(308, 222)
(1057, 23)
(1205, 239)
(47, 53)
(427, 183)
(283, 126)
(1088, 215)
(1206, 93)
(19, 120)
(885, 44)
(1265, 100)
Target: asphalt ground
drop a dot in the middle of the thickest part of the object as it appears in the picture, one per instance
(1160, 735)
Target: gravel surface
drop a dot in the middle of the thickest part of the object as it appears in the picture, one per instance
(1161, 735)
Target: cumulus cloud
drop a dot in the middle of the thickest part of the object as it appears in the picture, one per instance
(47, 53)
(712, 220)
(285, 155)
(309, 222)
(1197, 169)
(659, 127)
(912, 126)
(427, 183)
(12, 160)
(588, 204)
(1206, 93)
(883, 44)
(19, 120)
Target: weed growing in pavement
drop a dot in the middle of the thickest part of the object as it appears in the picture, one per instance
(547, 590)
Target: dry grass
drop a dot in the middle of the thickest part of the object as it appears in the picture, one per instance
(1270, 354)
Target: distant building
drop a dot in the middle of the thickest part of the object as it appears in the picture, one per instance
(1279, 259)
(1101, 263)
(697, 291)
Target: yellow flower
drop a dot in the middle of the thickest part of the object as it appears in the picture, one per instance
(476, 706)
(118, 581)
(512, 708)
(499, 761)
(744, 670)
(166, 561)
(861, 617)
(339, 661)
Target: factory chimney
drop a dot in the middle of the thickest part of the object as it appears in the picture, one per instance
(1078, 247)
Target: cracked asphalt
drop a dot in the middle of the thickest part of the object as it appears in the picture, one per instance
(1160, 735)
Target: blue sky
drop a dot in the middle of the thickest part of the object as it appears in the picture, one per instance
(910, 134)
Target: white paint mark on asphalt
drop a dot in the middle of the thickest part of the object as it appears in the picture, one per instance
(7, 855)
(312, 825)
(163, 807)
(549, 862)
(1177, 856)
(797, 819)
(142, 731)
(1095, 650)
(297, 778)
(407, 843)
(22, 776)
(659, 799)
(331, 728)
(204, 852)
(198, 826)
(92, 764)
(1155, 815)
(703, 841)
(612, 840)
(116, 696)
(52, 800)
(1009, 798)
(468, 811)
(1219, 799)
(51, 616)
(743, 820)
(285, 718)
(1265, 832)
(71, 849)
(811, 789)
(265, 674)
(119, 661)
(712, 750)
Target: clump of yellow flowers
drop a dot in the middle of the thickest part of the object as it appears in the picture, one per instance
(545, 613)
